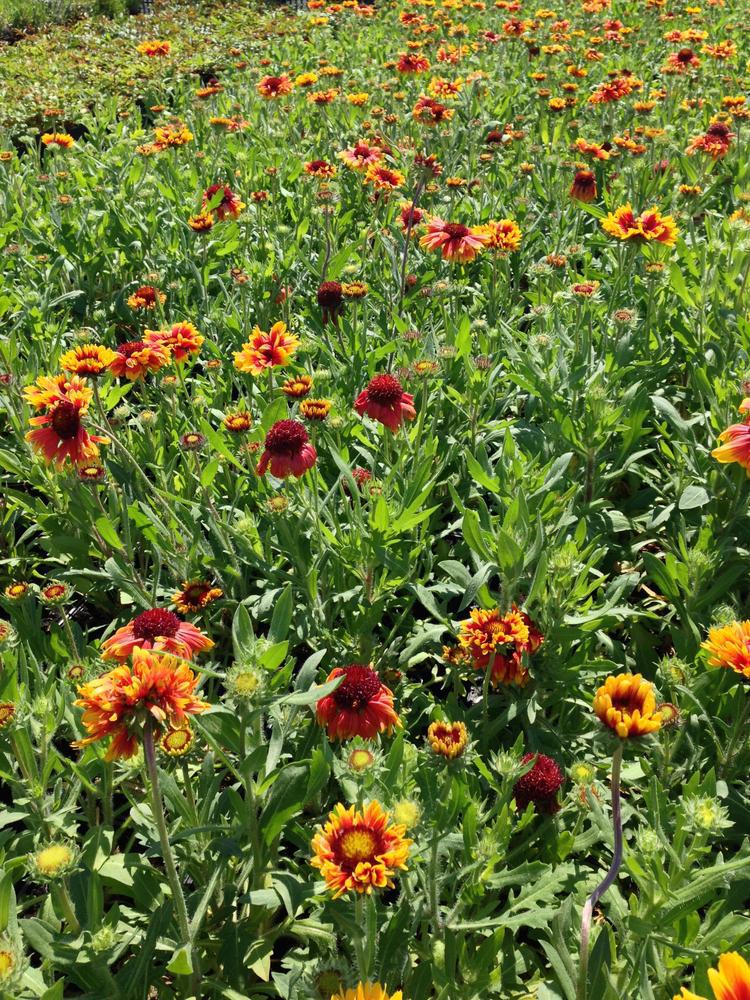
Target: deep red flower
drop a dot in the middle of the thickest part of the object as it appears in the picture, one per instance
(360, 706)
(583, 187)
(288, 450)
(540, 785)
(385, 400)
(330, 300)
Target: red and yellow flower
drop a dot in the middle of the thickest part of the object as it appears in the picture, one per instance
(134, 360)
(181, 340)
(272, 87)
(117, 705)
(730, 981)
(447, 739)
(195, 595)
(359, 850)
(60, 139)
(266, 350)
(728, 646)
(59, 434)
(360, 706)
(500, 642)
(368, 991)
(454, 240)
(503, 235)
(88, 359)
(223, 200)
(735, 441)
(626, 704)
(647, 227)
(157, 629)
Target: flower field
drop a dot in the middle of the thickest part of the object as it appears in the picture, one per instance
(374, 444)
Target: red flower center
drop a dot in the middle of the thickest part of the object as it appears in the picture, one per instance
(359, 686)
(65, 419)
(154, 623)
(455, 230)
(286, 437)
(718, 130)
(385, 389)
(685, 55)
(126, 350)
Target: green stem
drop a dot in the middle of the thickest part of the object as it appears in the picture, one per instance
(66, 905)
(739, 734)
(157, 805)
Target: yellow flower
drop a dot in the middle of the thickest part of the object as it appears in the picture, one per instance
(367, 991)
(626, 704)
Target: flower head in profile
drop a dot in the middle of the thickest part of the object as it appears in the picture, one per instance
(384, 400)
(288, 450)
(146, 297)
(59, 434)
(454, 240)
(60, 139)
(447, 739)
(87, 360)
(181, 340)
(540, 785)
(330, 298)
(367, 991)
(626, 704)
(730, 981)
(157, 687)
(729, 647)
(735, 441)
(157, 629)
(583, 187)
(52, 861)
(500, 642)
(649, 226)
(359, 849)
(715, 142)
(266, 350)
(195, 596)
(360, 706)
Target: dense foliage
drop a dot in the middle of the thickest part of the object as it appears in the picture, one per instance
(361, 370)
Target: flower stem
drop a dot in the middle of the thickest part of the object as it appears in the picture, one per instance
(360, 939)
(66, 905)
(609, 878)
(739, 734)
(157, 806)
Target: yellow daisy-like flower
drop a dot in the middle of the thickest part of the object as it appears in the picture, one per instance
(359, 850)
(88, 359)
(731, 981)
(626, 704)
(367, 991)
(729, 647)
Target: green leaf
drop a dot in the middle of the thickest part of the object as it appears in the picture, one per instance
(181, 962)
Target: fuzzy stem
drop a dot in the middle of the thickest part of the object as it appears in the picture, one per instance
(609, 878)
